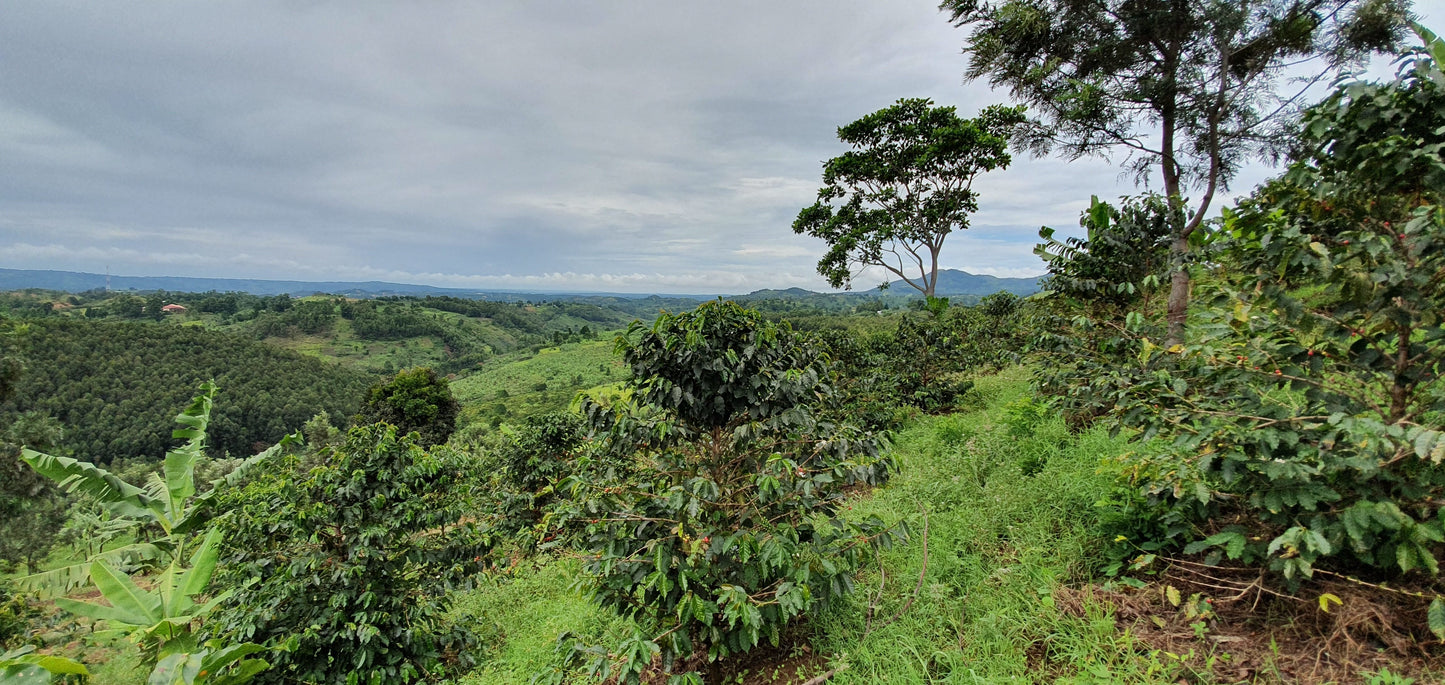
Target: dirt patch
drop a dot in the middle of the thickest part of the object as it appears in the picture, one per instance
(792, 662)
(1234, 625)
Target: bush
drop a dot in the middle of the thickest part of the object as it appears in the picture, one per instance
(727, 532)
(15, 615)
(347, 567)
(1302, 423)
(413, 400)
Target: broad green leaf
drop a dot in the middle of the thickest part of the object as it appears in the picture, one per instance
(114, 494)
(1436, 617)
(180, 464)
(243, 672)
(23, 675)
(22, 664)
(1436, 46)
(165, 588)
(180, 668)
(100, 612)
(216, 660)
(203, 564)
(123, 593)
(60, 581)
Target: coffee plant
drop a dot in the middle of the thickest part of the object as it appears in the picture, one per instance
(730, 529)
(345, 567)
(1302, 426)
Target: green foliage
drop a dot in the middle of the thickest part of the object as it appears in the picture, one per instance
(531, 507)
(112, 385)
(346, 567)
(168, 503)
(1187, 89)
(926, 361)
(1308, 409)
(503, 390)
(22, 666)
(727, 532)
(15, 614)
(1100, 298)
(922, 361)
(213, 663)
(162, 621)
(975, 603)
(413, 400)
(306, 316)
(1121, 259)
(544, 450)
(903, 188)
(32, 509)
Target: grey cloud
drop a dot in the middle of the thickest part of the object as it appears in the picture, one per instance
(633, 146)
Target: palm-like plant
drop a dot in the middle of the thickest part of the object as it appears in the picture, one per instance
(169, 501)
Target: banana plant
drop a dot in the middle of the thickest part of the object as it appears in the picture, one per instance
(208, 666)
(158, 617)
(170, 502)
(24, 667)
(161, 620)
(1434, 44)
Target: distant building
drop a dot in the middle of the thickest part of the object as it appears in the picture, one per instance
(173, 308)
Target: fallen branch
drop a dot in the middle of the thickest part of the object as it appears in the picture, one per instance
(823, 677)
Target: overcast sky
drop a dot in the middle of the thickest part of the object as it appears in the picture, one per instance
(624, 147)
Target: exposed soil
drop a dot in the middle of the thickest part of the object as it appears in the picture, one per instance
(1231, 625)
(792, 662)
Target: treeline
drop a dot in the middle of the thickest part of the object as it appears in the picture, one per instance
(115, 386)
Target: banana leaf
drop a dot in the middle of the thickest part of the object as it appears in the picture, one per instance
(117, 496)
(59, 581)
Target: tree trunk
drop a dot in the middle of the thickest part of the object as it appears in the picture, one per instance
(1400, 389)
(931, 283)
(1178, 306)
(1178, 289)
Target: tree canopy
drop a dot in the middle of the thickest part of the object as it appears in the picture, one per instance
(414, 400)
(1189, 88)
(906, 185)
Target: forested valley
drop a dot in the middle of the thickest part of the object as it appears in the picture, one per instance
(1210, 450)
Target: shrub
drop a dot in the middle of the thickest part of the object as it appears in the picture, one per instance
(347, 566)
(727, 532)
(16, 613)
(414, 400)
(1303, 422)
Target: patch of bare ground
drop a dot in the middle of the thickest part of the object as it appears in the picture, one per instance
(1234, 625)
(792, 662)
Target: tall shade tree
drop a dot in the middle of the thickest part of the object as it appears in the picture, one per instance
(906, 185)
(1190, 88)
(414, 400)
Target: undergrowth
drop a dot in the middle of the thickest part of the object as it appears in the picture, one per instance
(1009, 497)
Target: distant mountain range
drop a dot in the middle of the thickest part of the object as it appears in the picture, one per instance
(950, 282)
(955, 282)
(76, 281)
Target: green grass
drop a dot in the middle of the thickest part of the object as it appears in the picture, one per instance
(520, 618)
(508, 386)
(1010, 501)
